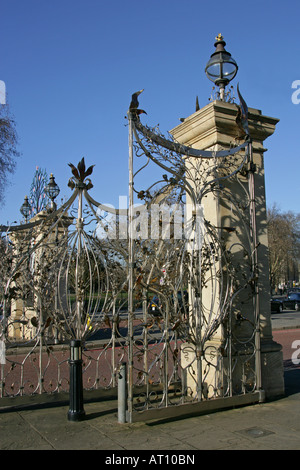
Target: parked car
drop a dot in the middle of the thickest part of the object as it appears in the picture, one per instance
(292, 301)
(292, 290)
(276, 305)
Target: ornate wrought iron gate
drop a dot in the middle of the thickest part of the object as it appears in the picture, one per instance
(132, 286)
(201, 346)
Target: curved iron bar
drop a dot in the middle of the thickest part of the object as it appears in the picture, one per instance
(183, 149)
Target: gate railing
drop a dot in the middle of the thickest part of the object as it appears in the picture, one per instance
(61, 283)
(192, 258)
(130, 287)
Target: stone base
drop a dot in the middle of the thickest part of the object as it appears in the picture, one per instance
(272, 369)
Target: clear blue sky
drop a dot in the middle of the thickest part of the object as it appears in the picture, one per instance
(70, 67)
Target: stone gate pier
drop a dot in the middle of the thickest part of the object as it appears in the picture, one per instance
(215, 127)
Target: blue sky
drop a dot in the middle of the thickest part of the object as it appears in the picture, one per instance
(70, 68)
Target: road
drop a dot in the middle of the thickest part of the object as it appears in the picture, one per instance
(286, 331)
(286, 319)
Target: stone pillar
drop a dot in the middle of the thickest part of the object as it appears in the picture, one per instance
(214, 127)
(20, 311)
(25, 314)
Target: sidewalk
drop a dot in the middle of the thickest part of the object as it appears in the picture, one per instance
(272, 425)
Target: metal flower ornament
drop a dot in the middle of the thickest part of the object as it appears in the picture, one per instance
(80, 174)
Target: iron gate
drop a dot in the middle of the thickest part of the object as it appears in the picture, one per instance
(132, 286)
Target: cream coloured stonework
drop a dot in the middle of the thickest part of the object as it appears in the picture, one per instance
(214, 127)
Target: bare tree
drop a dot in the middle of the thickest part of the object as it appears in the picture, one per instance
(284, 245)
(8, 146)
(37, 197)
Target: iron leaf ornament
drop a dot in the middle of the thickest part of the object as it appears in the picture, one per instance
(80, 174)
(242, 115)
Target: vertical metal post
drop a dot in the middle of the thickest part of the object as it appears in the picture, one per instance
(197, 243)
(39, 308)
(2, 360)
(55, 329)
(222, 92)
(122, 393)
(130, 271)
(199, 347)
(76, 411)
(229, 353)
(79, 299)
(113, 336)
(166, 375)
(255, 267)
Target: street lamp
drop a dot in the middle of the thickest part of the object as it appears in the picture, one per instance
(221, 67)
(25, 209)
(52, 190)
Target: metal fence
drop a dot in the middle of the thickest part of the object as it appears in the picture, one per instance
(156, 287)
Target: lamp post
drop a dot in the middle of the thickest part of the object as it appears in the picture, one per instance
(221, 67)
(25, 209)
(52, 190)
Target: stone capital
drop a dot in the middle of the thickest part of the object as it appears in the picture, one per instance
(215, 124)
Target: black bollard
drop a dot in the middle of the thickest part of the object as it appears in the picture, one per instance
(76, 411)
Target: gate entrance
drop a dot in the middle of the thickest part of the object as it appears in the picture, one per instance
(201, 346)
(169, 286)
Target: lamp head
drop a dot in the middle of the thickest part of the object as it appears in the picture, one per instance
(221, 67)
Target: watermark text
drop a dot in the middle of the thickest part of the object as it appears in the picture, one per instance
(2, 92)
(296, 93)
(156, 222)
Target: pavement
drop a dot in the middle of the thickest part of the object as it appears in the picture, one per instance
(272, 425)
